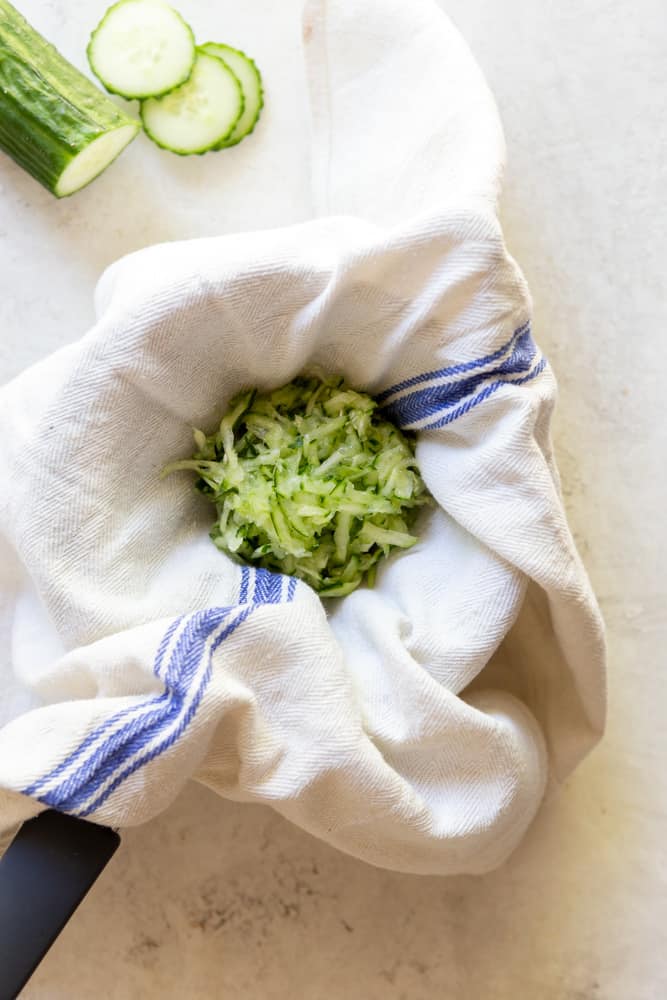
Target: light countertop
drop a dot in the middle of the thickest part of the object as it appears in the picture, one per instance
(218, 900)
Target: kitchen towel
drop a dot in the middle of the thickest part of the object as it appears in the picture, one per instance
(414, 725)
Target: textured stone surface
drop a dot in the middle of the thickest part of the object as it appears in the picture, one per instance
(218, 900)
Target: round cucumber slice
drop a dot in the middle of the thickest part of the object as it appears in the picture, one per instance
(141, 48)
(196, 116)
(245, 70)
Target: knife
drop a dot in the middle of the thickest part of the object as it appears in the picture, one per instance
(44, 874)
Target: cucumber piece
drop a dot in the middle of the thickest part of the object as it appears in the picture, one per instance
(245, 70)
(53, 121)
(141, 48)
(198, 114)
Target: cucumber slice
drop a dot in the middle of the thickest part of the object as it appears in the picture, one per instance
(141, 48)
(245, 70)
(53, 121)
(200, 113)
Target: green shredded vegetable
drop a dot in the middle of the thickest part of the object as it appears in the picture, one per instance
(309, 480)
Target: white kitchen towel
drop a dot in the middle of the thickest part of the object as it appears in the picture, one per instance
(416, 724)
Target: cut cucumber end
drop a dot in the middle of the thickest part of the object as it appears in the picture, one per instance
(54, 122)
(245, 70)
(141, 48)
(92, 160)
(196, 116)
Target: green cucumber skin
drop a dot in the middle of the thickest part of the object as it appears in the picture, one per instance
(214, 49)
(137, 97)
(194, 152)
(49, 111)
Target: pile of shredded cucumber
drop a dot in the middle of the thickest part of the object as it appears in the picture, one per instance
(309, 480)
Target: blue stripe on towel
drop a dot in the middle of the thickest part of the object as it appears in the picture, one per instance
(428, 402)
(458, 369)
(487, 391)
(183, 723)
(111, 721)
(144, 721)
(268, 587)
(243, 589)
(122, 743)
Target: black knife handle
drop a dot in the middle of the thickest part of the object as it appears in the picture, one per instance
(44, 874)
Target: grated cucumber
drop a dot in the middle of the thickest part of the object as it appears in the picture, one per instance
(310, 481)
